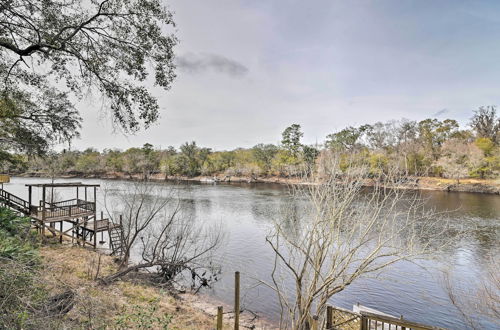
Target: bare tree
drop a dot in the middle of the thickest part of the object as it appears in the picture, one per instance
(159, 234)
(481, 304)
(459, 158)
(337, 231)
(486, 123)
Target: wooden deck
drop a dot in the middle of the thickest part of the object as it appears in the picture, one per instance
(74, 219)
(66, 214)
(101, 225)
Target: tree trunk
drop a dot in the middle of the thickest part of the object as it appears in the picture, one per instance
(113, 277)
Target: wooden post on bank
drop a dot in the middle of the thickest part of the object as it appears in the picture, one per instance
(219, 317)
(329, 317)
(315, 322)
(95, 218)
(42, 230)
(236, 300)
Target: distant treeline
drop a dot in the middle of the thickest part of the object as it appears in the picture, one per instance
(430, 147)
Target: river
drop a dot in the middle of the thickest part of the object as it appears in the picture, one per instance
(246, 211)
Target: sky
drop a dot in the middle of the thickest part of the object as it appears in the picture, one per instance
(247, 69)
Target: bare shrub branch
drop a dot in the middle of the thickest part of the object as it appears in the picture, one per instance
(336, 230)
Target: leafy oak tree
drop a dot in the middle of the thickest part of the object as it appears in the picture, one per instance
(346, 139)
(32, 127)
(64, 48)
(264, 154)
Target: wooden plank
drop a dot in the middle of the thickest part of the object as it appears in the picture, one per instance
(102, 225)
(62, 184)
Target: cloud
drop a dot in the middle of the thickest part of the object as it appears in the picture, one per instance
(441, 112)
(198, 63)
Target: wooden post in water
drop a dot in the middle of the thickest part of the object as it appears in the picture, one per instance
(236, 300)
(219, 317)
(329, 317)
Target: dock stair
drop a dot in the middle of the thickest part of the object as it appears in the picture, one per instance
(14, 202)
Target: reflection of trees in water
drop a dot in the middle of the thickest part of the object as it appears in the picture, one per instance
(477, 205)
(192, 206)
(266, 209)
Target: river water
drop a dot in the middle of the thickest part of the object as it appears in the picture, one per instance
(415, 291)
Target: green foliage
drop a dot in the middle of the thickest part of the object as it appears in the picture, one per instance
(141, 317)
(114, 46)
(20, 293)
(485, 144)
(346, 139)
(433, 133)
(113, 160)
(88, 162)
(31, 126)
(429, 147)
(291, 139)
(218, 162)
(188, 160)
(378, 164)
(264, 155)
(489, 166)
(310, 154)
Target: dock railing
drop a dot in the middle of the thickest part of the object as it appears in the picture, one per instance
(14, 201)
(69, 208)
(338, 318)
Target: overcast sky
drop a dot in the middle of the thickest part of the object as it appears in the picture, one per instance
(247, 69)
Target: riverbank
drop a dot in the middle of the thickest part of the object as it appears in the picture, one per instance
(484, 186)
(132, 302)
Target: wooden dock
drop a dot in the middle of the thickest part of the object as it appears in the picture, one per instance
(79, 214)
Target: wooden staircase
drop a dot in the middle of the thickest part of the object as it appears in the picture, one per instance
(14, 202)
(116, 240)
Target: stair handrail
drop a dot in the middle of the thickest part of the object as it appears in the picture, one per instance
(13, 199)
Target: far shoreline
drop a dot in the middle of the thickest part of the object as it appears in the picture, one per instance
(480, 186)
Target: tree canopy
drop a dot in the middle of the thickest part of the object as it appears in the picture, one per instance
(53, 49)
(32, 127)
(486, 124)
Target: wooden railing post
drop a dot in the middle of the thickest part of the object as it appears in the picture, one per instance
(364, 322)
(329, 317)
(95, 230)
(236, 300)
(219, 317)
(43, 214)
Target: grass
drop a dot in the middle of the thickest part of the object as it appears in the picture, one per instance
(32, 274)
(126, 304)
